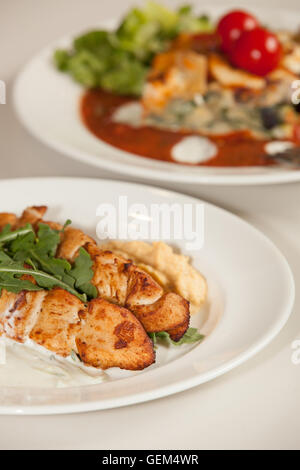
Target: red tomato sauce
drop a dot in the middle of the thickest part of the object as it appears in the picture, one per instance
(97, 108)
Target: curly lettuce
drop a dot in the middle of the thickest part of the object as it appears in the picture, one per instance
(119, 61)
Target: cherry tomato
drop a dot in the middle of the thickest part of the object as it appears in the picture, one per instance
(232, 25)
(257, 51)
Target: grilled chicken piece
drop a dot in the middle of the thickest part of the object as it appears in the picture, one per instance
(72, 240)
(120, 281)
(229, 76)
(175, 74)
(21, 317)
(110, 275)
(58, 322)
(32, 215)
(113, 337)
(106, 335)
(7, 219)
(170, 312)
(46, 317)
(18, 312)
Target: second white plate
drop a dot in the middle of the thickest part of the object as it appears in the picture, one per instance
(47, 103)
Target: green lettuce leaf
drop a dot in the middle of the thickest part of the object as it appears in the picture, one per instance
(119, 61)
(191, 336)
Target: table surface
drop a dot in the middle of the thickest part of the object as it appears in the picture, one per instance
(256, 405)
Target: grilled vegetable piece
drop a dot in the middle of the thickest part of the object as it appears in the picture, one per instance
(112, 336)
(58, 322)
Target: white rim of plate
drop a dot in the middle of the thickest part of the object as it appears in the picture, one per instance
(183, 385)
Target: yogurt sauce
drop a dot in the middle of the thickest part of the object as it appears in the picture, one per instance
(130, 113)
(194, 149)
(272, 148)
(31, 366)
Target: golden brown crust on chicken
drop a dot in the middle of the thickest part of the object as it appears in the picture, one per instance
(32, 215)
(7, 219)
(58, 322)
(73, 240)
(177, 333)
(169, 312)
(141, 289)
(24, 314)
(19, 313)
(113, 337)
(120, 281)
(106, 335)
(110, 274)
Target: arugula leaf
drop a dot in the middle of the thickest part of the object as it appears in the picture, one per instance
(47, 240)
(191, 336)
(11, 271)
(7, 235)
(8, 280)
(83, 273)
(23, 246)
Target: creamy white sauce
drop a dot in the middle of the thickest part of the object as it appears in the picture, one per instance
(272, 148)
(29, 365)
(130, 113)
(194, 149)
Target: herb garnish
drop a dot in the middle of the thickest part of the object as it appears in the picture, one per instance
(23, 252)
(191, 336)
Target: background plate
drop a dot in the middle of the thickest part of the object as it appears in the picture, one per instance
(47, 103)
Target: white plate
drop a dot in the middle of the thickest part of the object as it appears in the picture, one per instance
(47, 104)
(250, 287)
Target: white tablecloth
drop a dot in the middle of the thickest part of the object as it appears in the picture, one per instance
(255, 406)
